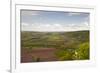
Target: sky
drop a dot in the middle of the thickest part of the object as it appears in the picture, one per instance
(32, 20)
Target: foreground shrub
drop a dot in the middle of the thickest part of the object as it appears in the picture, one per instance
(82, 52)
(65, 54)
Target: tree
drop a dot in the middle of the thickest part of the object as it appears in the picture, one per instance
(82, 52)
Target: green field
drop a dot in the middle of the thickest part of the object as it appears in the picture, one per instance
(60, 46)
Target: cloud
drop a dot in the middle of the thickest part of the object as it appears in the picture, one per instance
(48, 27)
(83, 24)
(53, 28)
(73, 13)
(86, 24)
(25, 24)
(29, 12)
(57, 25)
(71, 25)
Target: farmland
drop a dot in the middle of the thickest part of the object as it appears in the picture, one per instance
(54, 46)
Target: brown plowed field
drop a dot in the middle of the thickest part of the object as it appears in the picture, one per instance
(44, 54)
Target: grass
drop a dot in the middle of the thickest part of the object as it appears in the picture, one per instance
(65, 43)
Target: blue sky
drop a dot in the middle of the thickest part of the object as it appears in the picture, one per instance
(52, 20)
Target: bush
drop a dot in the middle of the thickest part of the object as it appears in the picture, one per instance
(64, 54)
(82, 52)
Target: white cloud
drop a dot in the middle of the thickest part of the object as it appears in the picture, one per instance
(29, 12)
(54, 28)
(57, 25)
(71, 25)
(73, 13)
(25, 24)
(48, 26)
(86, 24)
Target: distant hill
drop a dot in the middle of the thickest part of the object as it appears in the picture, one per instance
(53, 39)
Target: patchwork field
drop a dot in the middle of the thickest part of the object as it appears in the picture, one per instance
(54, 46)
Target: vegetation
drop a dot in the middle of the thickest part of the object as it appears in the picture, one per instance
(83, 51)
(67, 45)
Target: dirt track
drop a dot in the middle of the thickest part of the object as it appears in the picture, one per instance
(44, 54)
